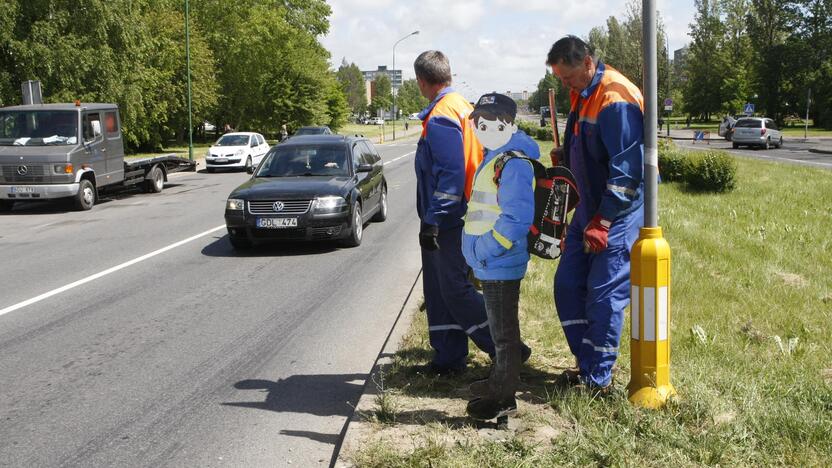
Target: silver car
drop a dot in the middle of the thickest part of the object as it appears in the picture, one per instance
(756, 131)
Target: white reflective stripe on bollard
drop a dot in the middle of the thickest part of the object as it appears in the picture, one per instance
(663, 313)
(634, 313)
(649, 314)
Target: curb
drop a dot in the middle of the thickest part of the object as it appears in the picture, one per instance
(820, 150)
(351, 434)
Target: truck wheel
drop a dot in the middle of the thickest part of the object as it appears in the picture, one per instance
(6, 205)
(85, 199)
(381, 214)
(239, 242)
(156, 180)
(356, 228)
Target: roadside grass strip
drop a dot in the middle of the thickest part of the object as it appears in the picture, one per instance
(751, 356)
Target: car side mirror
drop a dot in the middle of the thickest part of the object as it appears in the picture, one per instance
(365, 168)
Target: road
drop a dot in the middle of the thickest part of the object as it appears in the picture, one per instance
(133, 335)
(794, 151)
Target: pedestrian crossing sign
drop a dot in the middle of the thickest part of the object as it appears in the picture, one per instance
(749, 109)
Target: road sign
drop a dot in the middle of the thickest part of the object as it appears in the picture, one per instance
(668, 104)
(749, 108)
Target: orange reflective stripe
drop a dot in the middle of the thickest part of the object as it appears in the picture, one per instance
(453, 106)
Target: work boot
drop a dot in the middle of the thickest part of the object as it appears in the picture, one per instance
(486, 408)
(439, 371)
(479, 388)
(525, 353)
(569, 377)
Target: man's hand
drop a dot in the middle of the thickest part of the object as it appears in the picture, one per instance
(557, 156)
(595, 234)
(429, 237)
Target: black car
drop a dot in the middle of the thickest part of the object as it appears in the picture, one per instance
(318, 187)
(312, 131)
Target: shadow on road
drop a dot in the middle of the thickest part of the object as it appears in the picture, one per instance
(221, 247)
(321, 394)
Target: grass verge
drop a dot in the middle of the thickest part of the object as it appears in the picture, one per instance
(751, 355)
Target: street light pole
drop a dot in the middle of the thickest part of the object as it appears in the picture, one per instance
(188, 61)
(667, 45)
(392, 88)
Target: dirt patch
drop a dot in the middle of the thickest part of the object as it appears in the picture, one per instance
(793, 279)
(827, 376)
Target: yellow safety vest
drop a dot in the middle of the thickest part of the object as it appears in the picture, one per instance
(483, 209)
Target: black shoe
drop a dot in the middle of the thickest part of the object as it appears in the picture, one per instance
(439, 371)
(479, 388)
(525, 353)
(486, 408)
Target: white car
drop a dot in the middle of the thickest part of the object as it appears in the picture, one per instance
(239, 150)
(756, 131)
(376, 121)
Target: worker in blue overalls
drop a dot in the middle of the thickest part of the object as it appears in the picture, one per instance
(604, 148)
(447, 156)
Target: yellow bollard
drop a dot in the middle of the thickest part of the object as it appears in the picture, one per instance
(650, 385)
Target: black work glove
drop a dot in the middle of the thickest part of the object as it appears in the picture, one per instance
(429, 237)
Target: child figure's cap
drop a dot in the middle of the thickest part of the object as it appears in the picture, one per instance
(496, 104)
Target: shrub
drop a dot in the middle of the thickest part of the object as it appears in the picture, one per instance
(529, 128)
(544, 134)
(672, 162)
(713, 171)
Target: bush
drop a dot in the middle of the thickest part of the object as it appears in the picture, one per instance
(672, 162)
(713, 171)
(529, 128)
(544, 134)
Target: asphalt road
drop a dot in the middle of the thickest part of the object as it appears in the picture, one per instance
(794, 151)
(194, 355)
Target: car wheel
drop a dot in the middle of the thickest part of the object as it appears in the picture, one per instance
(155, 182)
(85, 199)
(735, 145)
(356, 227)
(767, 144)
(239, 242)
(6, 205)
(381, 214)
(780, 143)
(248, 164)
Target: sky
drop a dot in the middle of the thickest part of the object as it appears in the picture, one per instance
(492, 45)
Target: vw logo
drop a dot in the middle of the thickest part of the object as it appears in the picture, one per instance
(278, 206)
(22, 170)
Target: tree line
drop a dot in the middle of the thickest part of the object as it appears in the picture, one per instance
(408, 98)
(254, 66)
(771, 53)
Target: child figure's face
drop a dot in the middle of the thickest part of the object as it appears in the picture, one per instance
(494, 133)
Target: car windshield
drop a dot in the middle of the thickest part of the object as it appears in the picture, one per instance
(38, 128)
(749, 123)
(311, 160)
(232, 140)
(310, 131)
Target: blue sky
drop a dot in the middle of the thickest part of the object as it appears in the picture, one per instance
(493, 45)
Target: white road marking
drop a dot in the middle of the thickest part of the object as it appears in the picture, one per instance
(106, 272)
(400, 157)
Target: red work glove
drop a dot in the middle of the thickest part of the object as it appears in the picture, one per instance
(595, 234)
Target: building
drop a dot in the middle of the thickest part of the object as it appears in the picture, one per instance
(680, 58)
(395, 76)
(521, 96)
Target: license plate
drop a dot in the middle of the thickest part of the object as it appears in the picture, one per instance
(221, 160)
(276, 223)
(22, 190)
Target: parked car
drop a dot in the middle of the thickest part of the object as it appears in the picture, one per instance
(375, 121)
(413, 116)
(313, 131)
(756, 131)
(322, 187)
(240, 150)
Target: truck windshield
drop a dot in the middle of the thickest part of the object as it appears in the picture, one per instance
(38, 128)
(311, 160)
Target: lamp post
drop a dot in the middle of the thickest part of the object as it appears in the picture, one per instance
(392, 88)
(667, 45)
(188, 62)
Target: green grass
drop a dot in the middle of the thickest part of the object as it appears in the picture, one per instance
(747, 266)
(373, 132)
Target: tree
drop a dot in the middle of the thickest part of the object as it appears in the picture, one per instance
(352, 83)
(409, 99)
(703, 89)
(769, 24)
(382, 94)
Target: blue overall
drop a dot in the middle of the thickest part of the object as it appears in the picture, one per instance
(455, 310)
(606, 154)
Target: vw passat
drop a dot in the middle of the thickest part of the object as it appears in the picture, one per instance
(321, 187)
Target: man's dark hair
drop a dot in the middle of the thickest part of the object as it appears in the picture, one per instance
(488, 115)
(432, 66)
(569, 50)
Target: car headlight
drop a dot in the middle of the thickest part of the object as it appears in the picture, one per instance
(239, 152)
(329, 204)
(235, 204)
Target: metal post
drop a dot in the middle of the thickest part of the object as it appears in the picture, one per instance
(806, 122)
(188, 61)
(667, 45)
(650, 385)
(392, 89)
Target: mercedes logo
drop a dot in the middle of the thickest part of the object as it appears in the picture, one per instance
(22, 170)
(278, 206)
